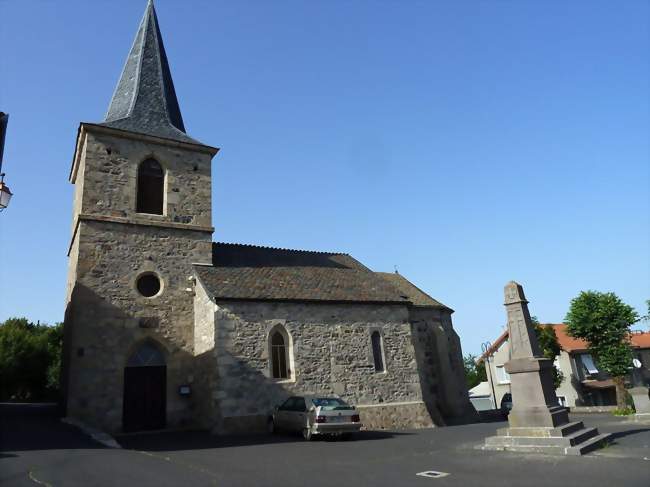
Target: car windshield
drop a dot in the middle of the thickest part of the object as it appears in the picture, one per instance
(330, 403)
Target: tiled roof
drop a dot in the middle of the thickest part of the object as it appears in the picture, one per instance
(145, 100)
(262, 273)
(414, 294)
(569, 344)
(640, 339)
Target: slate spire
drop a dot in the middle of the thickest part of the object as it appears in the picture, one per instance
(145, 100)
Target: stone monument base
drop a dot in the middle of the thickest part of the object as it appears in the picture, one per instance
(568, 439)
(641, 399)
(538, 416)
(641, 404)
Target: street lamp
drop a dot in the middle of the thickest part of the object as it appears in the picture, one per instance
(485, 348)
(5, 192)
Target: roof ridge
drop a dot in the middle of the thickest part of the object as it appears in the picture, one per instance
(280, 248)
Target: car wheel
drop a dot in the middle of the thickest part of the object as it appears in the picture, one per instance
(271, 426)
(306, 434)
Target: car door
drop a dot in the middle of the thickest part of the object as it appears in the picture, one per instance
(283, 414)
(298, 414)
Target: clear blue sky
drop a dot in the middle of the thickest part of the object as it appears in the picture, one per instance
(466, 143)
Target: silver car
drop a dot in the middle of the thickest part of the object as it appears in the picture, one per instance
(315, 415)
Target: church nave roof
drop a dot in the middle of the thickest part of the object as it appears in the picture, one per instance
(249, 272)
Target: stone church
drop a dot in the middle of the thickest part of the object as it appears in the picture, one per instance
(166, 329)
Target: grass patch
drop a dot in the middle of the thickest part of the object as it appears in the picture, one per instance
(623, 411)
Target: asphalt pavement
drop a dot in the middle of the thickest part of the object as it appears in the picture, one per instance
(37, 449)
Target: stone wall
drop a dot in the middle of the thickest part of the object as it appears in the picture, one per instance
(107, 174)
(425, 344)
(109, 318)
(204, 330)
(442, 374)
(459, 408)
(106, 317)
(405, 415)
(332, 354)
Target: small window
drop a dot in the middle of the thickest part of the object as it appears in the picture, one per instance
(377, 351)
(151, 187)
(279, 356)
(148, 285)
(502, 376)
(588, 363)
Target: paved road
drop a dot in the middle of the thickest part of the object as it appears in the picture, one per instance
(37, 449)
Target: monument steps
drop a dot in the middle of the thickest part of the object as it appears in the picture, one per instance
(569, 428)
(515, 441)
(589, 445)
(563, 430)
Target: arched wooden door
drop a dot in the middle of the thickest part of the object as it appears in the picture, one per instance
(145, 389)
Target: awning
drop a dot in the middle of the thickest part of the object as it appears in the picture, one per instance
(599, 384)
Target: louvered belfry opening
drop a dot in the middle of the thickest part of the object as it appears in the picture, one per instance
(151, 187)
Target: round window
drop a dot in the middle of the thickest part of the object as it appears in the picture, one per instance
(148, 285)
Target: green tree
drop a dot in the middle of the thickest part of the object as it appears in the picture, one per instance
(55, 352)
(603, 321)
(550, 349)
(29, 360)
(474, 373)
(547, 340)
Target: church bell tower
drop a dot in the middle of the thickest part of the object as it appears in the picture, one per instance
(142, 216)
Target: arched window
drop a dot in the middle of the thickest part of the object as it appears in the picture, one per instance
(279, 356)
(147, 355)
(377, 351)
(151, 187)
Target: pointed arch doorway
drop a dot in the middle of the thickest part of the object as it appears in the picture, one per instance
(145, 389)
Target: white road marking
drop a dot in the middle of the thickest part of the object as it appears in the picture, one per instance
(432, 474)
(41, 482)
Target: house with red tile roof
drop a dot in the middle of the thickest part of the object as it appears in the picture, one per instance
(585, 384)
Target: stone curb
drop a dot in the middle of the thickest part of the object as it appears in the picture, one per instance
(97, 435)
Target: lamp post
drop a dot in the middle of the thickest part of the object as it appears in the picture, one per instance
(5, 192)
(485, 347)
